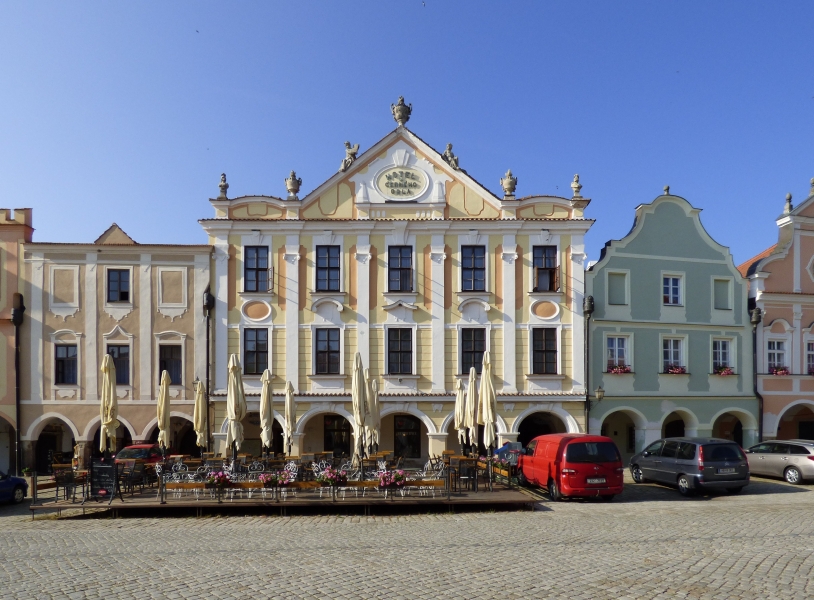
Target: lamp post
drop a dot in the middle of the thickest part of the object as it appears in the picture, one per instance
(208, 305)
(17, 310)
(599, 394)
(755, 318)
(587, 311)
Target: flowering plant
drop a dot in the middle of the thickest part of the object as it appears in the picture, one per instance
(675, 369)
(331, 476)
(218, 478)
(501, 463)
(619, 369)
(724, 370)
(779, 371)
(392, 479)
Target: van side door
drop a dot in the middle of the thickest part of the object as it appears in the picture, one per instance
(648, 460)
(527, 461)
(666, 469)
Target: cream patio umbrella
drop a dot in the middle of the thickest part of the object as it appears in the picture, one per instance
(460, 411)
(266, 412)
(358, 395)
(374, 424)
(109, 405)
(487, 409)
(471, 421)
(199, 415)
(290, 415)
(163, 408)
(235, 406)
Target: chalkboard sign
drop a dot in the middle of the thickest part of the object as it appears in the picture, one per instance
(104, 484)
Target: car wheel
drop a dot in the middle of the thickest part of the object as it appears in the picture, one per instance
(637, 474)
(18, 495)
(735, 490)
(684, 486)
(554, 491)
(521, 479)
(607, 498)
(792, 475)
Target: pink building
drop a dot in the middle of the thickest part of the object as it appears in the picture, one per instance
(781, 284)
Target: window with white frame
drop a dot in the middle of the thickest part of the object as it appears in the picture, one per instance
(255, 351)
(400, 269)
(256, 269)
(810, 358)
(399, 351)
(617, 349)
(473, 268)
(776, 354)
(721, 292)
(671, 290)
(671, 355)
(169, 360)
(121, 360)
(617, 288)
(65, 359)
(721, 354)
(544, 351)
(328, 269)
(327, 351)
(473, 345)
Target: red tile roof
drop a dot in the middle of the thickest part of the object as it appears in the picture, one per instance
(743, 269)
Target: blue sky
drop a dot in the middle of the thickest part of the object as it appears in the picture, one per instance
(129, 112)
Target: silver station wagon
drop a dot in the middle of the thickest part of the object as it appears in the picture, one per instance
(692, 464)
(793, 460)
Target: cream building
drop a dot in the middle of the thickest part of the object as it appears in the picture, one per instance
(142, 304)
(405, 258)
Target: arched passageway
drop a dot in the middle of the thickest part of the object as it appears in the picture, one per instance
(405, 435)
(619, 427)
(123, 439)
(328, 432)
(54, 444)
(728, 427)
(7, 456)
(539, 423)
(180, 437)
(797, 423)
(453, 443)
(673, 426)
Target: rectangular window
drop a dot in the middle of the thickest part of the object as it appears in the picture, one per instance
(720, 354)
(256, 269)
(671, 289)
(671, 354)
(65, 372)
(810, 357)
(546, 277)
(399, 351)
(337, 435)
(721, 294)
(473, 345)
(169, 360)
(617, 352)
(121, 360)
(255, 351)
(400, 269)
(327, 352)
(473, 268)
(118, 285)
(544, 351)
(327, 268)
(777, 354)
(617, 288)
(406, 436)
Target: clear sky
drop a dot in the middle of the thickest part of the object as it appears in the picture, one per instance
(129, 112)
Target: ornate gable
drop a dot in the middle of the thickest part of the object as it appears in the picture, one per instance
(115, 235)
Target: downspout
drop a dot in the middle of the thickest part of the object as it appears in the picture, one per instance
(17, 310)
(587, 311)
(755, 320)
(208, 305)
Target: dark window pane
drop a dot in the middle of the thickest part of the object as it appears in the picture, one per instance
(544, 351)
(400, 351)
(327, 271)
(169, 360)
(473, 268)
(65, 367)
(118, 285)
(121, 360)
(473, 345)
(255, 271)
(255, 350)
(327, 351)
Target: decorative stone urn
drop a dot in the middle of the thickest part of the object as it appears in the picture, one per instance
(509, 184)
(223, 186)
(401, 111)
(292, 184)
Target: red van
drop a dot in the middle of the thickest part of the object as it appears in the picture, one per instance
(573, 465)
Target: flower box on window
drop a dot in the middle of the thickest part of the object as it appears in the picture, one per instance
(619, 369)
(675, 370)
(723, 371)
(779, 371)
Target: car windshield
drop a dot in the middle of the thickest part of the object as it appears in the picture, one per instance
(722, 452)
(134, 453)
(592, 452)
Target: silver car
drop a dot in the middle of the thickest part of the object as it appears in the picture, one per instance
(692, 464)
(793, 460)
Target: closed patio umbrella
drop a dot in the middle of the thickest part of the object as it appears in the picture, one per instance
(358, 394)
(471, 421)
(266, 413)
(235, 406)
(460, 411)
(290, 415)
(163, 407)
(487, 410)
(374, 417)
(199, 415)
(109, 405)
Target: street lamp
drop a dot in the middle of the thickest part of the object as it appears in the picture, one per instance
(599, 393)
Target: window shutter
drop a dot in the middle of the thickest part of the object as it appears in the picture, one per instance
(536, 286)
(556, 274)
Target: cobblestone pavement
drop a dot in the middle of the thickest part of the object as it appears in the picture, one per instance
(648, 543)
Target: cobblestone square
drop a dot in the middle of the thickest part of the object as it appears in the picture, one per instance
(648, 543)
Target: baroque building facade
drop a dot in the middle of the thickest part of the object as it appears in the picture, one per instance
(406, 259)
(137, 302)
(670, 335)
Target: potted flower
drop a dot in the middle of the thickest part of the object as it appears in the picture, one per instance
(392, 479)
(331, 477)
(269, 480)
(723, 371)
(619, 369)
(779, 371)
(218, 479)
(675, 370)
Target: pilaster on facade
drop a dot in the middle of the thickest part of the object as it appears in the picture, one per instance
(145, 328)
(363, 256)
(578, 259)
(36, 320)
(221, 256)
(437, 257)
(292, 310)
(91, 319)
(200, 282)
(509, 256)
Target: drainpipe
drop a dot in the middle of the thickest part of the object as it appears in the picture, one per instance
(587, 311)
(17, 310)
(755, 320)
(208, 305)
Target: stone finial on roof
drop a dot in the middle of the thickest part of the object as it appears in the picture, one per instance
(223, 186)
(666, 190)
(576, 186)
(401, 111)
(292, 184)
(788, 207)
(811, 193)
(509, 184)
